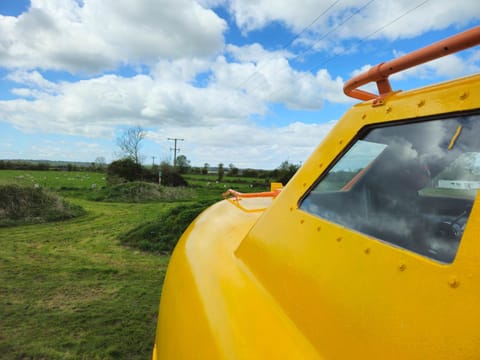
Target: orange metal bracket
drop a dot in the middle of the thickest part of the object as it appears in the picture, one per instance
(381, 72)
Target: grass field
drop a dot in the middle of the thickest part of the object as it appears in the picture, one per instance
(70, 290)
(53, 179)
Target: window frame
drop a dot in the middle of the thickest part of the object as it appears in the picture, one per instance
(360, 135)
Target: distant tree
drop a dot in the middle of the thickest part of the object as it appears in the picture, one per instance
(232, 170)
(130, 141)
(171, 176)
(252, 173)
(123, 170)
(285, 172)
(100, 161)
(220, 172)
(183, 164)
(205, 168)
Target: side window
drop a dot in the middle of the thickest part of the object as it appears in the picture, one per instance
(411, 185)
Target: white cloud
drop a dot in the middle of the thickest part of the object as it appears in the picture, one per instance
(354, 18)
(32, 78)
(186, 81)
(272, 79)
(213, 118)
(102, 34)
(255, 53)
(444, 68)
(167, 97)
(65, 150)
(246, 144)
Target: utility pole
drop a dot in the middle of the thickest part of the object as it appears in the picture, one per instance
(153, 161)
(175, 149)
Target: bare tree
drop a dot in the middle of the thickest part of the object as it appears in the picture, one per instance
(130, 141)
(100, 161)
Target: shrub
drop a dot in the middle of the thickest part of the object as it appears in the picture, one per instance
(123, 170)
(140, 192)
(171, 176)
(162, 234)
(28, 205)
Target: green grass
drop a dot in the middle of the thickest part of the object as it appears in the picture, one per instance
(208, 188)
(163, 233)
(138, 191)
(53, 179)
(454, 193)
(69, 290)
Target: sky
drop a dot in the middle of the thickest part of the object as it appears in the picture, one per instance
(251, 83)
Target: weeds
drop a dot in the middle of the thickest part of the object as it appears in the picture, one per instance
(140, 192)
(30, 205)
(162, 234)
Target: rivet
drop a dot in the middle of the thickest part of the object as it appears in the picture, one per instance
(364, 116)
(402, 267)
(302, 221)
(319, 228)
(421, 103)
(388, 109)
(320, 165)
(453, 282)
(339, 239)
(291, 208)
(367, 251)
(304, 184)
(464, 96)
(340, 142)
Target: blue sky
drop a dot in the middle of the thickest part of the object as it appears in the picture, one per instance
(247, 82)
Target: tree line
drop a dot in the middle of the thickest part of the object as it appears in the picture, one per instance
(50, 165)
(129, 167)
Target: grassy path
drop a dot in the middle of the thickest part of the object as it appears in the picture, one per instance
(69, 290)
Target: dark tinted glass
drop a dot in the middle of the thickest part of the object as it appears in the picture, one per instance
(411, 185)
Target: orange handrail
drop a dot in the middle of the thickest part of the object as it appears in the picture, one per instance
(382, 71)
(238, 195)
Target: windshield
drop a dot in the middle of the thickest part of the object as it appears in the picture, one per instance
(411, 185)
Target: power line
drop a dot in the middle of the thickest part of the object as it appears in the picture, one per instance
(285, 46)
(374, 32)
(365, 38)
(289, 43)
(341, 24)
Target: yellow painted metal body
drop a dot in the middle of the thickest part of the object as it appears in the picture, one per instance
(284, 284)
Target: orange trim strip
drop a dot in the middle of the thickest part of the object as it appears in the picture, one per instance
(381, 72)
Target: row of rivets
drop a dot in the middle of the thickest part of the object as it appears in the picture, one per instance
(452, 282)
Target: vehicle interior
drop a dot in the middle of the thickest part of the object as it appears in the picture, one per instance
(411, 185)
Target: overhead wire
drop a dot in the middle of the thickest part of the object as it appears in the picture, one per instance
(360, 41)
(336, 28)
(239, 86)
(289, 43)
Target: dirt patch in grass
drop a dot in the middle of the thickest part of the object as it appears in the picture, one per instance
(74, 298)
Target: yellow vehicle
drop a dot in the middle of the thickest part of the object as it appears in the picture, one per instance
(372, 250)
